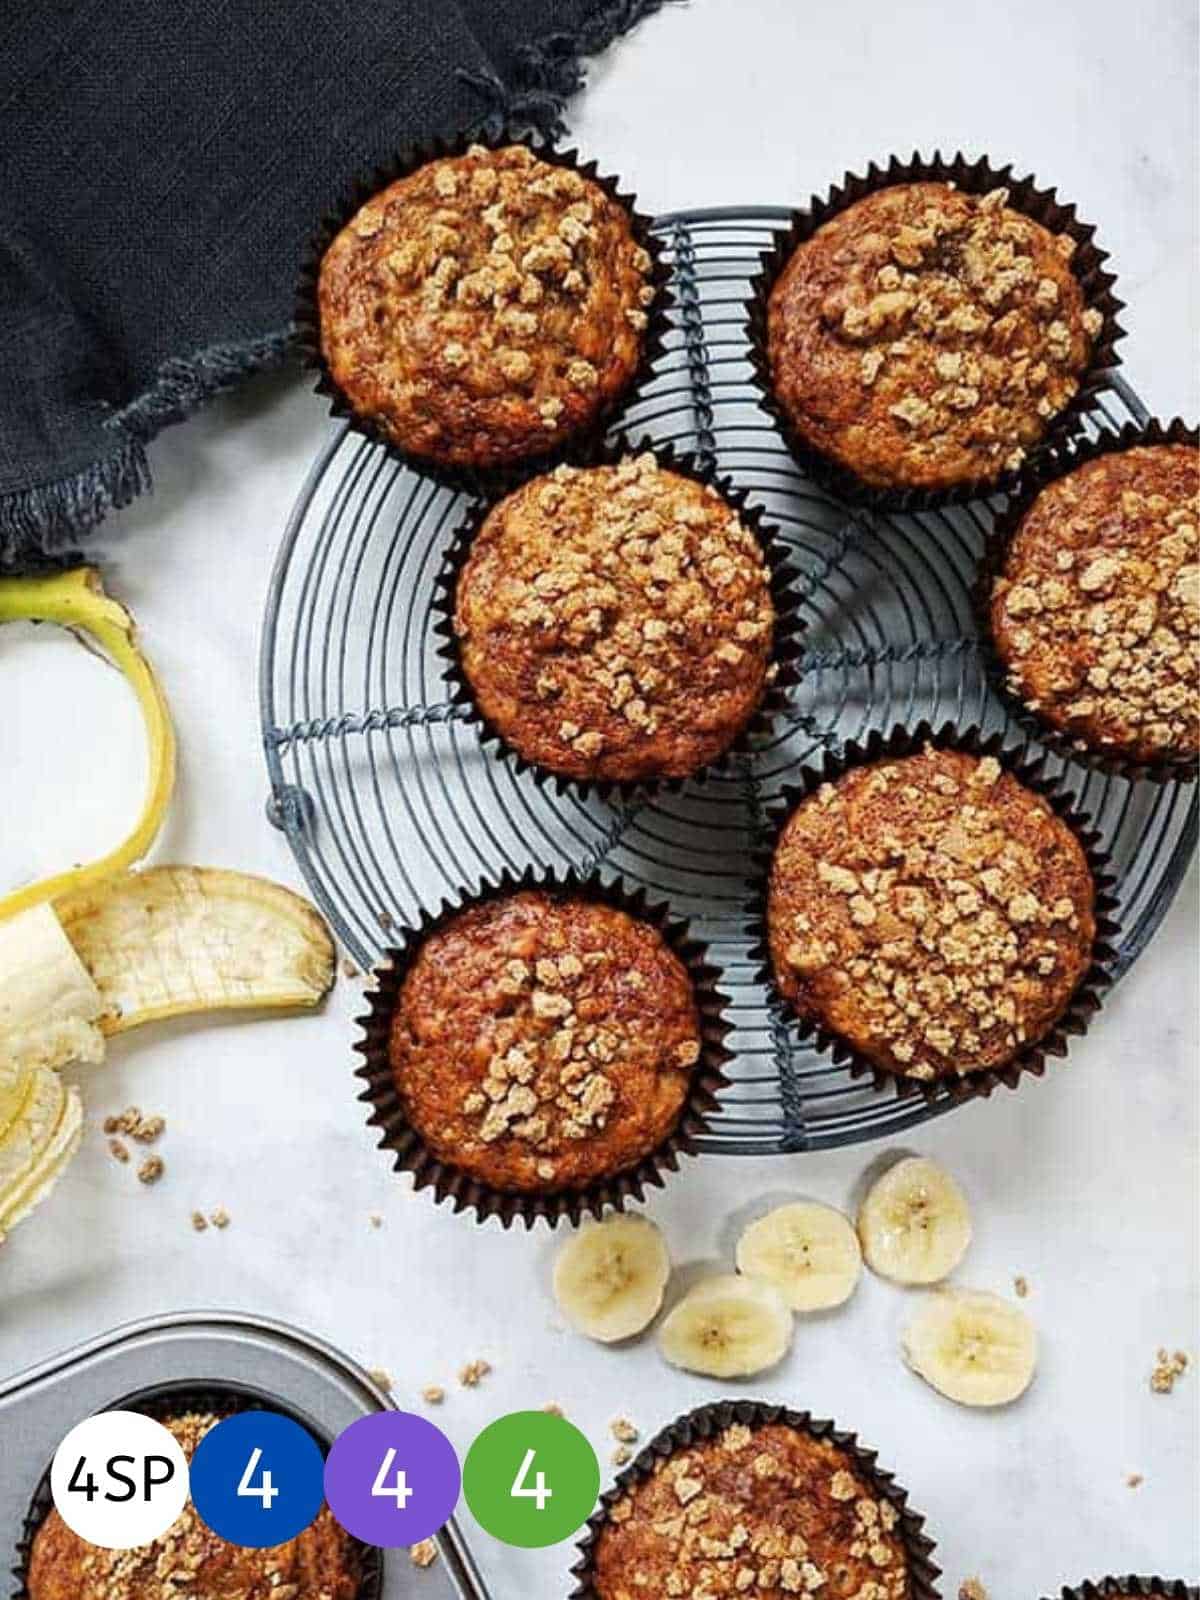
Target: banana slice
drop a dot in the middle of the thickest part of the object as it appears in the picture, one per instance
(972, 1347)
(48, 1002)
(728, 1327)
(172, 940)
(38, 1145)
(808, 1251)
(914, 1224)
(609, 1278)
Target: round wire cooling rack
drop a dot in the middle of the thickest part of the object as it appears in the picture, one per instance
(390, 803)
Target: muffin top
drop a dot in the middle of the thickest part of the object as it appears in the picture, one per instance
(485, 307)
(616, 622)
(924, 338)
(319, 1564)
(1096, 614)
(542, 1041)
(767, 1511)
(931, 911)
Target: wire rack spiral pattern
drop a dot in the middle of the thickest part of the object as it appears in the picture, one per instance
(389, 802)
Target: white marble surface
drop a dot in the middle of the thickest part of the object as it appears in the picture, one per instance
(1086, 1183)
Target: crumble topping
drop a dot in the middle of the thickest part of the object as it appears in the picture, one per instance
(932, 911)
(1168, 1369)
(616, 619)
(927, 336)
(766, 1511)
(485, 305)
(1097, 612)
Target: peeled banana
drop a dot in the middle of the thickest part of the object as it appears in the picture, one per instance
(48, 1002)
(808, 1251)
(171, 940)
(42, 1135)
(77, 599)
(973, 1347)
(609, 1278)
(914, 1224)
(728, 1327)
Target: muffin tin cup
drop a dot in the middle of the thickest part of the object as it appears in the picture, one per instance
(306, 311)
(467, 1193)
(1089, 991)
(973, 177)
(1183, 769)
(786, 650)
(1104, 1588)
(709, 1420)
(174, 1400)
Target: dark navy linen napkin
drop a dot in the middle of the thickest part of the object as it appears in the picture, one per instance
(161, 165)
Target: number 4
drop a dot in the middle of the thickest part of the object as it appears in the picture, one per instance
(398, 1489)
(264, 1491)
(539, 1492)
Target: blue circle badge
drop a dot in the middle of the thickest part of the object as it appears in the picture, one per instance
(257, 1479)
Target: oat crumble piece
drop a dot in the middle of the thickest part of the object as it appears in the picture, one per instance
(219, 1218)
(433, 1394)
(151, 1169)
(118, 1150)
(423, 1554)
(199, 1222)
(972, 1589)
(623, 1431)
(381, 1378)
(1168, 1369)
(473, 1374)
(1021, 1287)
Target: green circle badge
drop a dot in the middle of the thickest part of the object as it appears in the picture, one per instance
(531, 1479)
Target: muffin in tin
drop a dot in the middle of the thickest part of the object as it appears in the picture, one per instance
(1095, 613)
(615, 622)
(767, 1510)
(925, 337)
(485, 308)
(322, 1563)
(931, 912)
(541, 1042)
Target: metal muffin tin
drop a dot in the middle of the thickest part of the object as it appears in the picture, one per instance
(194, 1350)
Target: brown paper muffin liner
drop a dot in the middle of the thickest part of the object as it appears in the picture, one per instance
(786, 650)
(973, 177)
(1058, 464)
(467, 1193)
(306, 313)
(710, 1420)
(1089, 991)
(163, 1402)
(1105, 1588)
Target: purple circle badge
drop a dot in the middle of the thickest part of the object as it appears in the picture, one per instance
(392, 1479)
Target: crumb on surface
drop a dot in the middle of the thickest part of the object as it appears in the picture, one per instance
(553, 1409)
(151, 1169)
(118, 1150)
(219, 1218)
(1168, 1368)
(622, 1456)
(199, 1222)
(381, 1377)
(375, 1218)
(433, 1394)
(623, 1430)
(423, 1554)
(1021, 1285)
(1134, 1480)
(349, 970)
(473, 1373)
(972, 1589)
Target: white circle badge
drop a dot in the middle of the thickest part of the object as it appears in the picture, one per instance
(119, 1480)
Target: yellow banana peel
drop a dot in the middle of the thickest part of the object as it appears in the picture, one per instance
(76, 599)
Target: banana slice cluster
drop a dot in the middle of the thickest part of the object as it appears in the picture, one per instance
(913, 1228)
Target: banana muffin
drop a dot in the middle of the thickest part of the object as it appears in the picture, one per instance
(931, 912)
(485, 308)
(542, 1041)
(322, 1563)
(1096, 612)
(768, 1511)
(616, 622)
(925, 338)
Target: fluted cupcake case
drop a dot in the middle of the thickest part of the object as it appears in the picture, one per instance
(1088, 995)
(466, 1193)
(973, 177)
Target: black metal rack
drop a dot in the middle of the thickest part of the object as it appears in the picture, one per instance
(389, 802)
